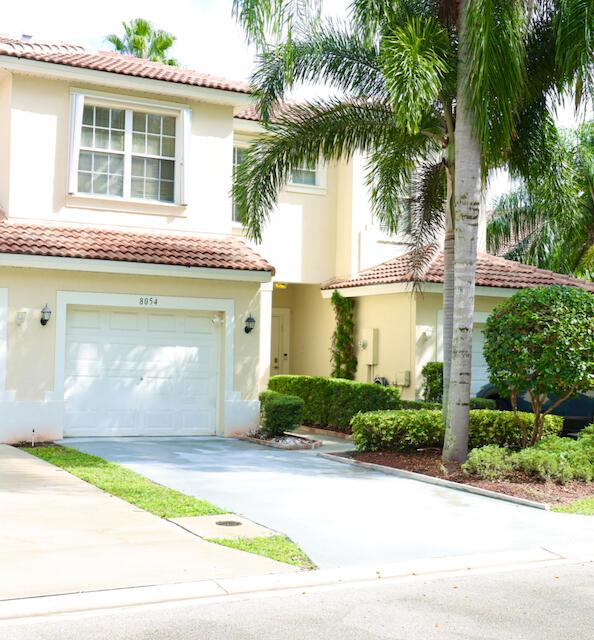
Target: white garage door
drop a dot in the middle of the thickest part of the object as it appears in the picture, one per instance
(480, 371)
(131, 373)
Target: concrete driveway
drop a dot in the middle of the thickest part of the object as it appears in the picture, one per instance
(59, 534)
(339, 514)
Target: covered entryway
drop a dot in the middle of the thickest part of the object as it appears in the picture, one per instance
(131, 372)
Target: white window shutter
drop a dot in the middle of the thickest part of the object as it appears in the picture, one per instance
(77, 105)
(184, 138)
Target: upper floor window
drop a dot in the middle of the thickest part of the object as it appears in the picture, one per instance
(306, 174)
(238, 157)
(127, 151)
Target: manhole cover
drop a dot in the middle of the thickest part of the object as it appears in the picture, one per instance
(228, 523)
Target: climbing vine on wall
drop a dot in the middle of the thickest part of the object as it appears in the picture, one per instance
(343, 349)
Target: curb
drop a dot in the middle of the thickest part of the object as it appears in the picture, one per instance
(214, 590)
(440, 482)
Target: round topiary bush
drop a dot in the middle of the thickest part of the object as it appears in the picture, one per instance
(541, 342)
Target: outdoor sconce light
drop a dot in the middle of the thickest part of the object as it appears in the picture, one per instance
(46, 314)
(250, 323)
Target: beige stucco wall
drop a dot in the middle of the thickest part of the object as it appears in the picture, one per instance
(5, 93)
(428, 307)
(312, 325)
(32, 348)
(300, 237)
(393, 316)
(40, 134)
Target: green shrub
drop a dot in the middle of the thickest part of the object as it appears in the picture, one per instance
(432, 374)
(490, 462)
(482, 403)
(419, 404)
(279, 413)
(553, 458)
(541, 341)
(406, 429)
(333, 401)
(504, 428)
(397, 430)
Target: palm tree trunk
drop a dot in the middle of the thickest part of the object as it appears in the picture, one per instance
(467, 203)
(448, 293)
(448, 278)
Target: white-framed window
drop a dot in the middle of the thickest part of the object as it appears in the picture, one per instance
(134, 150)
(239, 152)
(305, 175)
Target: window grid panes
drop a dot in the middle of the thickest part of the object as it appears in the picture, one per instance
(149, 171)
(304, 175)
(101, 158)
(238, 156)
(153, 159)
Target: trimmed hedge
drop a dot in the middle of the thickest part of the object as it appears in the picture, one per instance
(410, 429)
(334, 401)
(279, 413)
(475, 403)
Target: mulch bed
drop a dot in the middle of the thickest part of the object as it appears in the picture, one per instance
(428, 462)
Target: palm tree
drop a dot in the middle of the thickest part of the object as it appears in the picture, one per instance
(549, 221)
(439, 85)
(143, 40)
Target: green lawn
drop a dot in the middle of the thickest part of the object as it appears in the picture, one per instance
(584, 506)
(125, 484)
(277, 547)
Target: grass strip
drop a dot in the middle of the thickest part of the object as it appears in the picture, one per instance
(583, 506)
(124, 483)
(277, 547)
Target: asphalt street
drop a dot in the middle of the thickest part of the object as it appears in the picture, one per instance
(524, 604)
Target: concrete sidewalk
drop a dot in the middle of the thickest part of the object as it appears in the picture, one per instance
(59, 534)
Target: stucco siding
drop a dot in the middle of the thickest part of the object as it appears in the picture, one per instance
(31, 352)
(393, 316)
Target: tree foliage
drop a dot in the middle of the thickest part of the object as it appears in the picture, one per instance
(548, 220)
(540, 342)
(343, 349)
(143, 40)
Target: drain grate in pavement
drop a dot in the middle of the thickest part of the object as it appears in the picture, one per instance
(229, 523)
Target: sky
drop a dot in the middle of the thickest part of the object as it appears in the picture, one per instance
(208, 38)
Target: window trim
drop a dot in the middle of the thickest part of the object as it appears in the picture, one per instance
(183, 131)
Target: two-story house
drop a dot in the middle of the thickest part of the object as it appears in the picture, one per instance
(130, 304)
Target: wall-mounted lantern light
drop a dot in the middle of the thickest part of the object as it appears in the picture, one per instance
(46, 314)
(250, 323)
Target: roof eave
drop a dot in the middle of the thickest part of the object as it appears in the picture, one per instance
(57, 71)
(133, 268)
(408, 287)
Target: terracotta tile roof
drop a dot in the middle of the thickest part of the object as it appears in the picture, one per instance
(492, 271)
(78, 56)
(251, 112)
(186, 250)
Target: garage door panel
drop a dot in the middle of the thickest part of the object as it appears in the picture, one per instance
(140, 373)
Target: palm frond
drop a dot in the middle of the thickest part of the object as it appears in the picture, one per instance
(424, 220)
(327, 52)
(573, 24)
(494, 50)
(263, 20)
(326, 130)
(416, 58)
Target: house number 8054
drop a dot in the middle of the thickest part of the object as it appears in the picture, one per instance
(148, 302)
